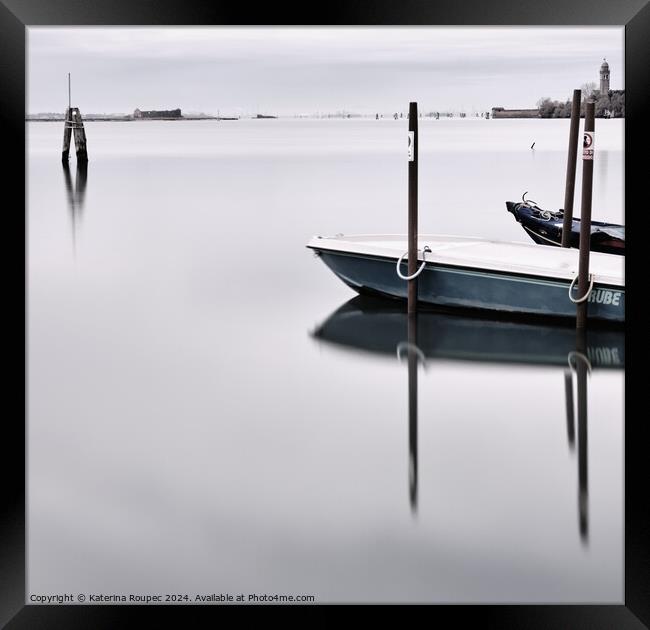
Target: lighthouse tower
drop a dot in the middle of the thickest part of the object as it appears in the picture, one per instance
(604, 78)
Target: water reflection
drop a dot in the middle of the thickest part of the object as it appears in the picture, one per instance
(376, 326)
(413, 354)
(568, 394)
(579, 357)
(76, 195)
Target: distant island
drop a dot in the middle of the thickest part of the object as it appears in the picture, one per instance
(138, 114)
(168, 114)
(500, 112)
(608, 103)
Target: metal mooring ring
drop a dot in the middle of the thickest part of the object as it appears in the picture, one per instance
(586, 295)
(419, 271)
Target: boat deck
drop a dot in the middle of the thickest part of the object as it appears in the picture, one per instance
(479, 253)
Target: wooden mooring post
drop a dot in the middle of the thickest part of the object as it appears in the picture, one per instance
(412, 305)
(74, 126)
(67, 134)
(585, 215)
(413, 208)
(571, 169)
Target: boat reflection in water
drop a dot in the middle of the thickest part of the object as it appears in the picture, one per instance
(76, 195)
(382, 327)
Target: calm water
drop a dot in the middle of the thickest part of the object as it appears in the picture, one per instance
(202, 420)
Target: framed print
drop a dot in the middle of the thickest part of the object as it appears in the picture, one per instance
(301, 315)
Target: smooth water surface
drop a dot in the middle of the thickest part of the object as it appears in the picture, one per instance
(189, 432)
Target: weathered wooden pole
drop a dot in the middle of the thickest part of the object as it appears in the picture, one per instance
(67, 134)
(585, 214)
(413, 411)
(412, 302)
(571, 169)
(413, 208)
(79, 136)
(67, 129)
(74, 125)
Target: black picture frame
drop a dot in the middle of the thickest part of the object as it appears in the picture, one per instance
(16, 15)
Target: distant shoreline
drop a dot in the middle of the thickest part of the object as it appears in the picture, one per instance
(127, 119)
(369, 118)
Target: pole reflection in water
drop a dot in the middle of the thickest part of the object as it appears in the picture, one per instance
(413, 411)
(414, 355)
(371, 325)
(377, 326)
(580, 360)
(570, 420)
(76, 195)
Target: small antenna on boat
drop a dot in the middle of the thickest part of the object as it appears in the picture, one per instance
(69, 97)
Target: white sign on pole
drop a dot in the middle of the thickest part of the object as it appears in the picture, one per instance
(411, 146)
(588, 145)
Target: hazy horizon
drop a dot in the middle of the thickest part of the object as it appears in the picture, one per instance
(290, 71)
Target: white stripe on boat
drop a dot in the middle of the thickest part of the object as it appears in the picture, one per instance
(527, 259)
(538, 235)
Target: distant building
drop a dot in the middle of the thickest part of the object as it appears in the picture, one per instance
(166, 113)
(604, 77)
(609, 103)
(500, 112)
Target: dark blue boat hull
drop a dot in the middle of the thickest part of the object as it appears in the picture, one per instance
(459, 287)
(546, 229)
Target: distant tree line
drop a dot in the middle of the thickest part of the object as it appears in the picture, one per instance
(610, 105)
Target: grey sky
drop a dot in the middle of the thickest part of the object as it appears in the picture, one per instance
(305, 70)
